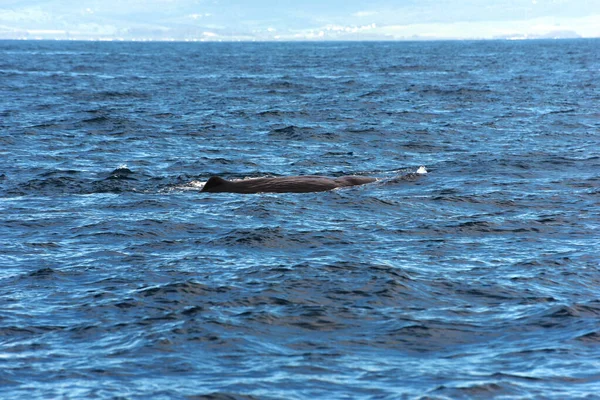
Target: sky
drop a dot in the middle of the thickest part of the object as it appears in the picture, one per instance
(285, 20)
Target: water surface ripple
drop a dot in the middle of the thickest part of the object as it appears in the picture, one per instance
(120, 279)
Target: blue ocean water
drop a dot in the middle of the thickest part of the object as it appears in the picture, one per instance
(120, 279)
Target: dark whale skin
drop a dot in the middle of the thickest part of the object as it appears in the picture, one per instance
(288, 184)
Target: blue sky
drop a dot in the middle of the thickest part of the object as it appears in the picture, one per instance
(212, 20)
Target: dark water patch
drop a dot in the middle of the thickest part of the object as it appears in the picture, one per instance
(48, 186)
(278, 114)
(189, 288)
(147, 229)
(423, 337)
(517, 377)
(274, 238)
(165, 115)
(293, 132)
(372, 94)
(223, 396)
(70, 182)
(361, 130)
(121, 95)
(491, 389)
(218, 160)
(14, 332)
(285, 85)
(43, 273)
(44, 245)
(591, 338)
(573, 318)
(96, 120)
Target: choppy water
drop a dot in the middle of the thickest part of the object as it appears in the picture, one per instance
(119, 279)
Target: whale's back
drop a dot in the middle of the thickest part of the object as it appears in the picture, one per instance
(289, 184)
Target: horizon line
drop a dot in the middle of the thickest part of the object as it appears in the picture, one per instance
(408, 39)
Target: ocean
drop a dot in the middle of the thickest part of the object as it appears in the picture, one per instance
(120, 279)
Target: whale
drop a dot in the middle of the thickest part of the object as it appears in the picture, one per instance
(287, 184)
(293, 184)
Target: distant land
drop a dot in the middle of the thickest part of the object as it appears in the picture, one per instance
(162, 37)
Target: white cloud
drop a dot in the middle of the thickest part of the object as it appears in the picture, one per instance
(25, 15)
(94, 29)
(361, 14)
(199, 16)
(349, 28)
(586, 27)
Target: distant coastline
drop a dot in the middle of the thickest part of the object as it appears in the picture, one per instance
(516, 37)
(320, 36)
